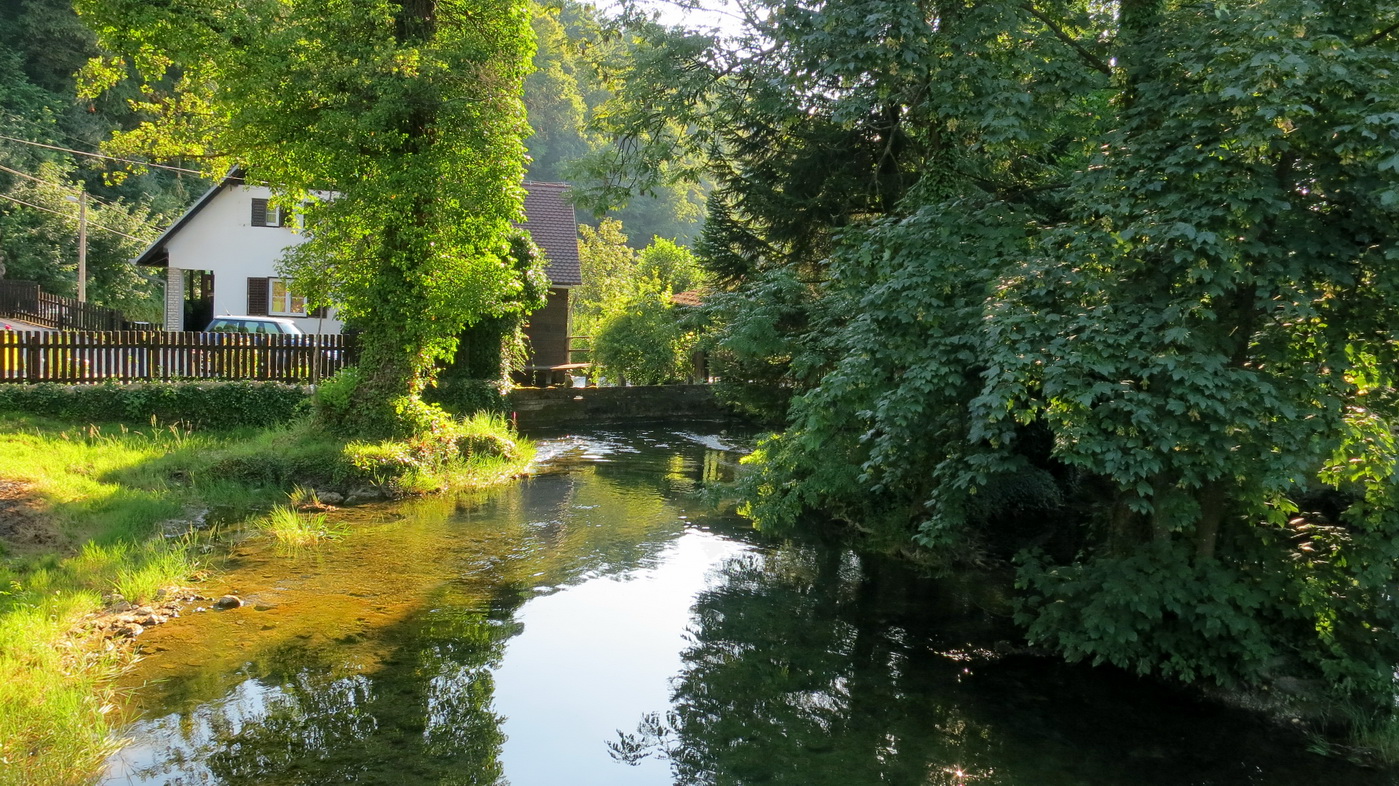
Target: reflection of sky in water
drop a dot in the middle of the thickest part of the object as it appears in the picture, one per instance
(598, 624)
(591, 660)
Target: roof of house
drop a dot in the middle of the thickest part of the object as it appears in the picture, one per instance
(690, 297)
(549, 219)
(155, 252)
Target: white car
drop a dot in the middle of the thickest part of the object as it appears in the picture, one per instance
(267, 326)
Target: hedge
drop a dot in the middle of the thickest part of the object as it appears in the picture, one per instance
(198, 404)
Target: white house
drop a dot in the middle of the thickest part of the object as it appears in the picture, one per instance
(221, 258)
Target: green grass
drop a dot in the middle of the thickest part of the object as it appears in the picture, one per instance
(291, 528)
(104, 494)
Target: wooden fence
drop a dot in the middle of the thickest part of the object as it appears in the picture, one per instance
(133, 356)
(25, 300)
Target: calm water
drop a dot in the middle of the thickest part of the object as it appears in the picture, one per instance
(608, 623)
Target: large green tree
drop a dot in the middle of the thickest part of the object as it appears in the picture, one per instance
(408, 112)
(1111, 286)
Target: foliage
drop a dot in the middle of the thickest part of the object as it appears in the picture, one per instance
(644, 341)
(488, 351)
(473, 451)
(408, 112)
(42, 45)
(463, 397)
(215, 405)
(624, 305)
(1126, 271)
(607, 261)
(41, 245)
(580, 56)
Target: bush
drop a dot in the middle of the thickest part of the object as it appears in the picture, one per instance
(406, 465)
(200, 404)
(468, 396)
(644, 342)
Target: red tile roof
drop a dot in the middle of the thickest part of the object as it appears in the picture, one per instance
(690, 297)
(550, 221)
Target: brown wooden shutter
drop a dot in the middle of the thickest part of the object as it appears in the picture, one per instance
(320, 313)
(258, 296)
(259, 212)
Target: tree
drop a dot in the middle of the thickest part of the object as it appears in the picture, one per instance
(625, 305)
(1126, 273)
(607, 263)
(581, 52)
(40, 243)
(409, 112)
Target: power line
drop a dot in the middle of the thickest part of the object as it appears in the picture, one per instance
(99, 201)
(65, 215)
(51, 183)
(99, 155)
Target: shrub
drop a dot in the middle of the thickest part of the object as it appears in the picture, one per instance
(645, 342)
(413, 463)
(468, 396)
(217, 405)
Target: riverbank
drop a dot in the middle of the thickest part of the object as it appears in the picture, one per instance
(107, 518)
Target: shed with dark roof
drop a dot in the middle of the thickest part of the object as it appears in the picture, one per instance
(550, 221)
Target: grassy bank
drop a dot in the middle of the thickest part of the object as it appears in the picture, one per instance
(87, 511)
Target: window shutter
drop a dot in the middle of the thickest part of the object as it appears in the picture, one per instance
(257, 297)
(259, 213)
(320, 313)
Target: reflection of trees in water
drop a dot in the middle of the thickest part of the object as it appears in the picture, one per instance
(423, 716)
(797, 671)
(812, 666)
(424, 713)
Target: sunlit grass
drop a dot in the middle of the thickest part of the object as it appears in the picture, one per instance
(54, 686)
(292, 528)
(100, 508)
(103, 494)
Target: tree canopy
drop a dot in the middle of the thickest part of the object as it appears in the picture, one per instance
(1108, 288)
(408, 112)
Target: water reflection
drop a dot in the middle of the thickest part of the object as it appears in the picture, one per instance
(812, 665)
(603, 624)
(376, 660)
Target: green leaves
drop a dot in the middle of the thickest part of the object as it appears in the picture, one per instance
(409, 114)
(1144, 324)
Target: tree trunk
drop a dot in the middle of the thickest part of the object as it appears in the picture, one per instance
(1212, 505)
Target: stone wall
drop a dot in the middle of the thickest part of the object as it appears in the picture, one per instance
(547, 408)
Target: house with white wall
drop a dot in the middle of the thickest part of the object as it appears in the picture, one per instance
(220, 258)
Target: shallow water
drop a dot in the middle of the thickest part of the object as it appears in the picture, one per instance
(606, 623)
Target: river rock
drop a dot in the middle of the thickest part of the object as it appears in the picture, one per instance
(228, 602)
(127, 630)
(365, 494)
(148, 616)
(330, 497)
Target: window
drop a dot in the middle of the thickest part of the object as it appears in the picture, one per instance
(264, 216)
(283, 302)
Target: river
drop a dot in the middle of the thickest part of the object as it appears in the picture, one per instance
(612, 621)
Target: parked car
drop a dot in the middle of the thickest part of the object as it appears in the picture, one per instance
(267, 326)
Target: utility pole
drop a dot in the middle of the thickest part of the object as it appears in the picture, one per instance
(82, 245)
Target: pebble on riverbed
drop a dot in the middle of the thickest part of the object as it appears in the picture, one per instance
(123, 620)
(228, 602)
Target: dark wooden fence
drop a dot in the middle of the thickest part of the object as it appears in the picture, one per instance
(25, 300)
(131, 356)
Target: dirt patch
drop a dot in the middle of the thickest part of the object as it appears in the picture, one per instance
(25, 524)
